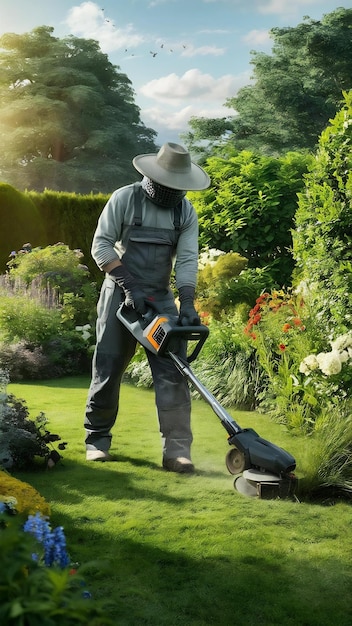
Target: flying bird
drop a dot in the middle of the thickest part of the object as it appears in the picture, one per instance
(153, 53)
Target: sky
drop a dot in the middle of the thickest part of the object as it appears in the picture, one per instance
(184, 58)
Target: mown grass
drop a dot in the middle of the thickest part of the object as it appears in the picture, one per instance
(189, 549)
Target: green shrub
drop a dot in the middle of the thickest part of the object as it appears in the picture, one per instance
(44, 298)
(328, 469)
(250, 207)
(306, 374)
(58, 267)
(23, 440)
(25, 319)
(225, 282)
(322, 239)
(25, 362)
(20, 221)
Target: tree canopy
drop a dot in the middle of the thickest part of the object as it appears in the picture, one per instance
(295, 90)
(68, 120)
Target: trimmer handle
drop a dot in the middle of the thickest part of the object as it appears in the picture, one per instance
(161, 333)
(197, 334)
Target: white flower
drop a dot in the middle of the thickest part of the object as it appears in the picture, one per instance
(329, 362)
(84, 330)
(308, 364)
(209, 256)
(302, 289)
(342, 342)
(344, 356)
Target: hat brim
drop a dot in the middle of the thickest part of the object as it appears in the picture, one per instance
(194, 180)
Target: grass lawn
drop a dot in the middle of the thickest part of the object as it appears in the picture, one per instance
(189, 550)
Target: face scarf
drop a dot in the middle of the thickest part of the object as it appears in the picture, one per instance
(162, 196)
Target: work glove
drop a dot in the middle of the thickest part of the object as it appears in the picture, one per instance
(134, 296)
(188, 316)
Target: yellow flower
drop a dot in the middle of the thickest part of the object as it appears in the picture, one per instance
(28, 499)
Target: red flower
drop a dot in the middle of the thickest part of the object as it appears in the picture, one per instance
(204, 316)
(286, 327)
(282, 347)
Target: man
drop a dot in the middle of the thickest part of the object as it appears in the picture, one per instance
(145, 230)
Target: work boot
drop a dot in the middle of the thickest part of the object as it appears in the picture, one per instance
(180, 464)
(97, 455)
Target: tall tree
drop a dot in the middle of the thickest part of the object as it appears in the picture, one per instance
(295, 90)
(68, 120)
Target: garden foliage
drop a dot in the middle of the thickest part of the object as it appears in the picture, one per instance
(322, 238)
(250, 207)
(37, 584)
(225, 283)
(23, 440)
(21, 220)
(46, 298)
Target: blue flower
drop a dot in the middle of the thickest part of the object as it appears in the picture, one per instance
(53, 541)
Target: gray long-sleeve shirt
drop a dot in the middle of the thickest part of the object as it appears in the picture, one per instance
(111, 235)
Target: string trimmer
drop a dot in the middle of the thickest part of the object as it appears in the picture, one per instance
(260, 467)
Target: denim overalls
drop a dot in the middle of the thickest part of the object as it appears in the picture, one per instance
(148, 257)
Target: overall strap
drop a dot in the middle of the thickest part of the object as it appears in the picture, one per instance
(137, 218)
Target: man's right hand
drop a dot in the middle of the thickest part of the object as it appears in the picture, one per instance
(134, 296)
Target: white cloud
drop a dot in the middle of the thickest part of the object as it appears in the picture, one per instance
(178, 120)
(191, 51)
(206, 96)
(285, 7)
(193, 85)
(88, 20)
(257, 38)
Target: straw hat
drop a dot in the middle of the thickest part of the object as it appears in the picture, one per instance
(172, 167)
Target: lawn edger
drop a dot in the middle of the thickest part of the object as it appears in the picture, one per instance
(260, 468)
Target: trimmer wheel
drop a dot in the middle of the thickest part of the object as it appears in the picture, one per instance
(235, 461)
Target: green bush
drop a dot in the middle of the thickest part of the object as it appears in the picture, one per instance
(20, 221)
(226, 365)
(225, 283)
(72, 218)
(306, 375)
(26, 319)
(25, 362)
(36, 344)
(250, 208)
(23, 440)
(46, 299)
(322, 239)
(59, 268)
